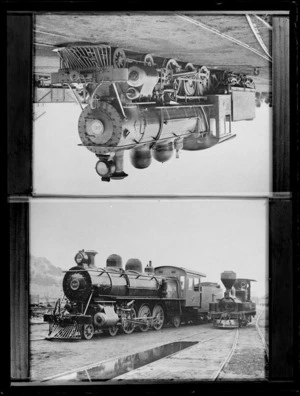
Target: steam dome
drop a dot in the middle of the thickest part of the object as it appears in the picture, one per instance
(134, 264)
(141, 157)
(163, 152)
(114, 260)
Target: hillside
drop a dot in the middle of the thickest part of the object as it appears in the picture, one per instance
(45, 280)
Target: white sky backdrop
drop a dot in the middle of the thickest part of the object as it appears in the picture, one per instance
(241, 166)
(205, 235)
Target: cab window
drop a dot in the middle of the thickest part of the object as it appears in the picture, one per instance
(190, 283)
(182, 282)
(196, 284)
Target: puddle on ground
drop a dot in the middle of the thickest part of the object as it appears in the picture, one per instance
(114, 368)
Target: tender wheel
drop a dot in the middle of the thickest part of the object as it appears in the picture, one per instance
(144, 312)
(74, 75)
(112, 330)
(119, 58)
(204, 76)
(148, 60)
(159, 317)
(88, 331)
(127, 325)
(176, 321)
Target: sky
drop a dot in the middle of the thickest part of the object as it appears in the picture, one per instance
(209, 236)
(241, 166)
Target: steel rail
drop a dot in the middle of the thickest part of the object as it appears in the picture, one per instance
(44, 45)
(216, 375)
(51, 34)
(215, 31)
(264, 22)
(255, 31)
(263, 340)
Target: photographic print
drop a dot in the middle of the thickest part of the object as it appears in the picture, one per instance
(152, 104)
(148, 290)
(150, 199)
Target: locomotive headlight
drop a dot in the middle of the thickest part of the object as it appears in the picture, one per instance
(79, 258)
(95, 128)
(104, 168)
(74, 284)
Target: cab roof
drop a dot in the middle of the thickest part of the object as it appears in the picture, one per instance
(245, 279)
(187, 271)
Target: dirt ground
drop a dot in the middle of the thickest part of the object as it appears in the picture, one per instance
(49, 358)
(161, 34)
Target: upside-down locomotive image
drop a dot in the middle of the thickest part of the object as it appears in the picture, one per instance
(236, 308)
(149, 105)
(110, 299)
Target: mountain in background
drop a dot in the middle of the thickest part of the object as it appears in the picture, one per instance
(45, 280)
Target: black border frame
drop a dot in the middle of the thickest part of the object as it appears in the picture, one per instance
(283, 207)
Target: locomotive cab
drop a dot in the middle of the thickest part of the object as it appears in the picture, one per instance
(189, 284)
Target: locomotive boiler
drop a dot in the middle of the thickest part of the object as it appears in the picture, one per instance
(235, 309)
(113, 299)
(151, 106)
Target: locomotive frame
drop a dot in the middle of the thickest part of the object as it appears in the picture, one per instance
(149, 105)
(107, 299)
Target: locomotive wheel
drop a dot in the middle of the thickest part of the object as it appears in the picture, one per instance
(144, 312)
(88, 331)
(204, 75)
(119, 58)
(173, 67)
(148, 60)
(112, 330)
(176, 321)
(128, 327)
(189, 86)
(159, 317)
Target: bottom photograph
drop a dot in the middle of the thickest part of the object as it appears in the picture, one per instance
(148, 290)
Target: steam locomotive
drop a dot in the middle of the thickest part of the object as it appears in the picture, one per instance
(113, 299)
(149, 105)
(236, 308)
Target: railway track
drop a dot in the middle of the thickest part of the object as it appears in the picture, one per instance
(225, 355)
(261, 335)
(216, 375)
(214, 356)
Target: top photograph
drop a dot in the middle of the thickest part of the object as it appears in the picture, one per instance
(152, 104)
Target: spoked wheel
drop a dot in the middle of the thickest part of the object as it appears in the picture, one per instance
(176, 321)
(172, 66)
(148, 60)
(88, 331)
(233, 79)
(119, 58)
(204, 76)
(189, 86)
(112, 330)
(249, 83)
(127, 325)
(144, 312)
(159, 317)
